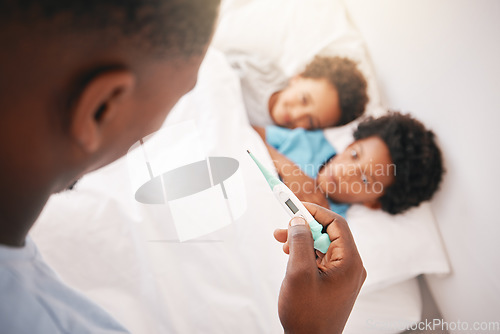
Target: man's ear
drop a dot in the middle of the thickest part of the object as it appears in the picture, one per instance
(373, 204)
(99, 103)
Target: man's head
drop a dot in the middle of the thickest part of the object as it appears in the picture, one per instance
(331, 91)
(82, 80)
(96, 76)
(394, 164)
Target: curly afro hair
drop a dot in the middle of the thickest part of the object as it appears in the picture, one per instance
(350, 83)
(419, 165)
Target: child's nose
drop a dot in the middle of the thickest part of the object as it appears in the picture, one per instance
(298, 113)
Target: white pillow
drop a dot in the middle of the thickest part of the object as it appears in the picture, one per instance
(395, 248)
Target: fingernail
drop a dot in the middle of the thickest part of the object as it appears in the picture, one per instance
(297, 221)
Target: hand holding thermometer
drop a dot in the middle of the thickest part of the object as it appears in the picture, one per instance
(294, 207)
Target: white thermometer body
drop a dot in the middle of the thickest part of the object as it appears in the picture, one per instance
(294, 207)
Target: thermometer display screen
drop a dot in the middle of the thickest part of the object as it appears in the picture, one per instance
(291, 206)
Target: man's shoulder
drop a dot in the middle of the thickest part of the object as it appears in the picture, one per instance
(35, 300)
(21, 310)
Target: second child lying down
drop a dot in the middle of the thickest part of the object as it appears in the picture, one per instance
(393, 164)
(330, 91)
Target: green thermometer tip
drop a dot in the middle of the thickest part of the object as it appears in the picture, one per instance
(270, 178)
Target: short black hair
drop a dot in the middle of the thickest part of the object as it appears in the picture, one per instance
(350, 83)
(414, 152)
(172, 27)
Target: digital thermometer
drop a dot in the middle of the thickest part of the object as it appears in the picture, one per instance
(294, 207)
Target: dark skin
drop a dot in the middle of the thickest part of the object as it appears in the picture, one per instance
(310, 275)
(307, 103)
(54, 131)
(358, 175)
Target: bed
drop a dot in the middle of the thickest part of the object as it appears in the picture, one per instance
(206, 262)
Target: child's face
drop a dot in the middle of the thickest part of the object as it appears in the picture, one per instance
(360, 174)
(306, 103)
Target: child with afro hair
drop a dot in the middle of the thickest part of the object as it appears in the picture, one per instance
(393, 164)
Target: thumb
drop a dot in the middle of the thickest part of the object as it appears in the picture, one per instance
(301, 245)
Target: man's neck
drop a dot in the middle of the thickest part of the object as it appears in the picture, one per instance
(29, 172)
(12, 238)
(18, 213)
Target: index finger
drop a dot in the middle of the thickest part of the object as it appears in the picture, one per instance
(335, 224)
(323, 216)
